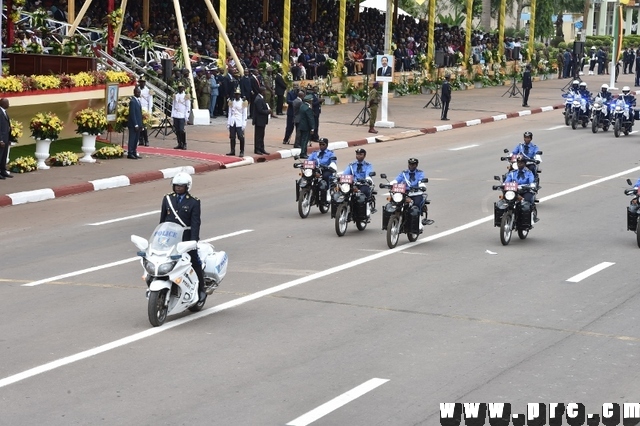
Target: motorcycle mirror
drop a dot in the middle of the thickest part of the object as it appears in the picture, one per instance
(140, 242)
(381, 185)
(629, 182)
(539, 152)
(495, 187)
(296, 157)
(496, 178)
(424, 180)
(504, 158)
(334, 158)
(505, 150)
(186, 246)
(383, 176)
(372, 174)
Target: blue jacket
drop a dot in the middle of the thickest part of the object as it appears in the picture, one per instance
(527, 153)
(324, 159)
(352, 169)
(405, 177)
(522, 179)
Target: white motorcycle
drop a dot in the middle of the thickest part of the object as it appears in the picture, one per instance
(172, 281)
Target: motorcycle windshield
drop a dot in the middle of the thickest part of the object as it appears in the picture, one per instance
(165, 237)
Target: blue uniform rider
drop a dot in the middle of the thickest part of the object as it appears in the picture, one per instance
(412, 178)
(323, 158)
(360, 170)
(633, 205)
(630, 100)
(522, 176)
(527, 150)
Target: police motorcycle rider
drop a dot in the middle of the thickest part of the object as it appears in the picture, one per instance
(325, 159)
(523, 176)
(586, 95)
(629, 99)
(360, 170)
(412, 177)
(183, 208)
(605, 93)
(528, 150)
(575, 87)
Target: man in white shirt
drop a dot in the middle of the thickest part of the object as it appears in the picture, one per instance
(146, 101)
(180, 112)
(237, 121)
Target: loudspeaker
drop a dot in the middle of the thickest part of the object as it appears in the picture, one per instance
(439, 58)
(167, 69)
(368, 69)
(516, 53)
(578, 49)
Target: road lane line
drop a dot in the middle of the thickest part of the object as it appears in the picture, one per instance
(135, 216)
(581, 276)
(267, 292)
(557, 127)
(119, 262)
(463, 147)
(337, 402)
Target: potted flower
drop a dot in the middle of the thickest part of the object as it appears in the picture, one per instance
(16, 132)
(109, 152)
(45, 128)
(91, 123)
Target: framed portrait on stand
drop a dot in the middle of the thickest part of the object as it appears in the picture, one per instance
(111, 102)
(384, 68)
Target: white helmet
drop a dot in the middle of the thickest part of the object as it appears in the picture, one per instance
(604, 87)
(583, 84)
(626, 90)
(182, 178)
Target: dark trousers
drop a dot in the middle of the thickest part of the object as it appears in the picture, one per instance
(315, 136)
(304, 141)
(3, 158)
(144, 138)
(296, 143)
(197, 267)
(279, 104)
(525, 98)
(233, 132)
(289, 130)
(178, 126)
(592, 64)
(258, 139)
(132, 146)
(445, 107)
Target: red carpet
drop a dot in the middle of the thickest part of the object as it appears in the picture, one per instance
(193, 155)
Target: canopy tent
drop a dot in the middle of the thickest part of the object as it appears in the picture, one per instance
(380, 5)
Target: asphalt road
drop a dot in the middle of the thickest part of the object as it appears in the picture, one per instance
(454, 317)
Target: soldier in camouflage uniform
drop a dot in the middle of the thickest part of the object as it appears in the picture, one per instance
(270, 84)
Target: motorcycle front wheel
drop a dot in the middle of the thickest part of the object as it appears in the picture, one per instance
(506, 228)
(574, 120)
(157, 308)
(567, 116)
(304, 203)
(616, 128)
(393, 231)
(594, 124)
(638, 232)
(341, 220)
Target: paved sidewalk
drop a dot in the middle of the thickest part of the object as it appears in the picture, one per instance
(208, 144)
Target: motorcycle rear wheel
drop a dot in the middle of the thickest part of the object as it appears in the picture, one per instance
(616, 128)
(584, 123)
(361, 225)
(626, 131)
(341, 220)
(323, 204)
(412, 237)
(594, 124)
(304, 203)
(157, 310)
(393, 231)
(506, 228)
(522, 233)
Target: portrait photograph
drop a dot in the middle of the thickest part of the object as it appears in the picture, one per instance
(384, 68)
(111, 102)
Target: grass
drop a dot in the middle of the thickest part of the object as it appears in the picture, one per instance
(73, 145)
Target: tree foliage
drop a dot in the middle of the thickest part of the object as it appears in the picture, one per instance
(544, 24)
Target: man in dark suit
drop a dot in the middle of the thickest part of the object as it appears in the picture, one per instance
(291, 96)
(281, 88)
(385, 69)
(527, 85)
(445, 97)
(5, 138)
(134, 124)
(261, 113)
(306, 124)
(255, 90)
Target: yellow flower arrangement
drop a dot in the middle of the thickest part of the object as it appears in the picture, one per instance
(65, 158)
(23, 165)
(44, 82)
(45, 125)
(117, 76)
(91, 121)
(11, 84)
(83, 79)
(109, 152)
(16, 130)
(115, 17)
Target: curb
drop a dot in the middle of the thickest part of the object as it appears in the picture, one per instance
(127, 180)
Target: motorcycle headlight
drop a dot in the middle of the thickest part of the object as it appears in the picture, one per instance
(165, 268)
(618, 108)
(307, 172)
(509, 195)
(338, 198)
(397, 197)
(150, 267)
(576, 103)
(345, 187)
(302, 183)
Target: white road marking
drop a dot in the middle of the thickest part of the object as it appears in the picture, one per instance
(462, 147)
(556, 127)
(337, 402)
(266, 292)
(581, 276)
(116, 263)
(135, 216)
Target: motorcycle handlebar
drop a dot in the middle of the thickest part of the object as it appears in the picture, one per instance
(630, 191)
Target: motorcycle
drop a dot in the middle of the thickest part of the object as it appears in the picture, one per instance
(633, 218)
(568, 102)
(579, 111)
(171, 280)
(511, 212)
(311, 185)
(600, 115)
(399, 215)
(350, 204)
(513, 165)
(622, 118)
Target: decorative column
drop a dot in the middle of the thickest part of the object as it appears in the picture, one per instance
(467, 35)
(110, 8)
(222, 46)
(503, 8)
(588, 30)
(341, 36)
(532, 30)
(602, 19)
(286, 26)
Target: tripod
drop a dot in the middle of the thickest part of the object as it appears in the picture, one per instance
(364, 114)
(165, 125)
(513, 91)
(435, 100)
(571, 80)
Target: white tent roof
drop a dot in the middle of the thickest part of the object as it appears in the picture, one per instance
(380, 5)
